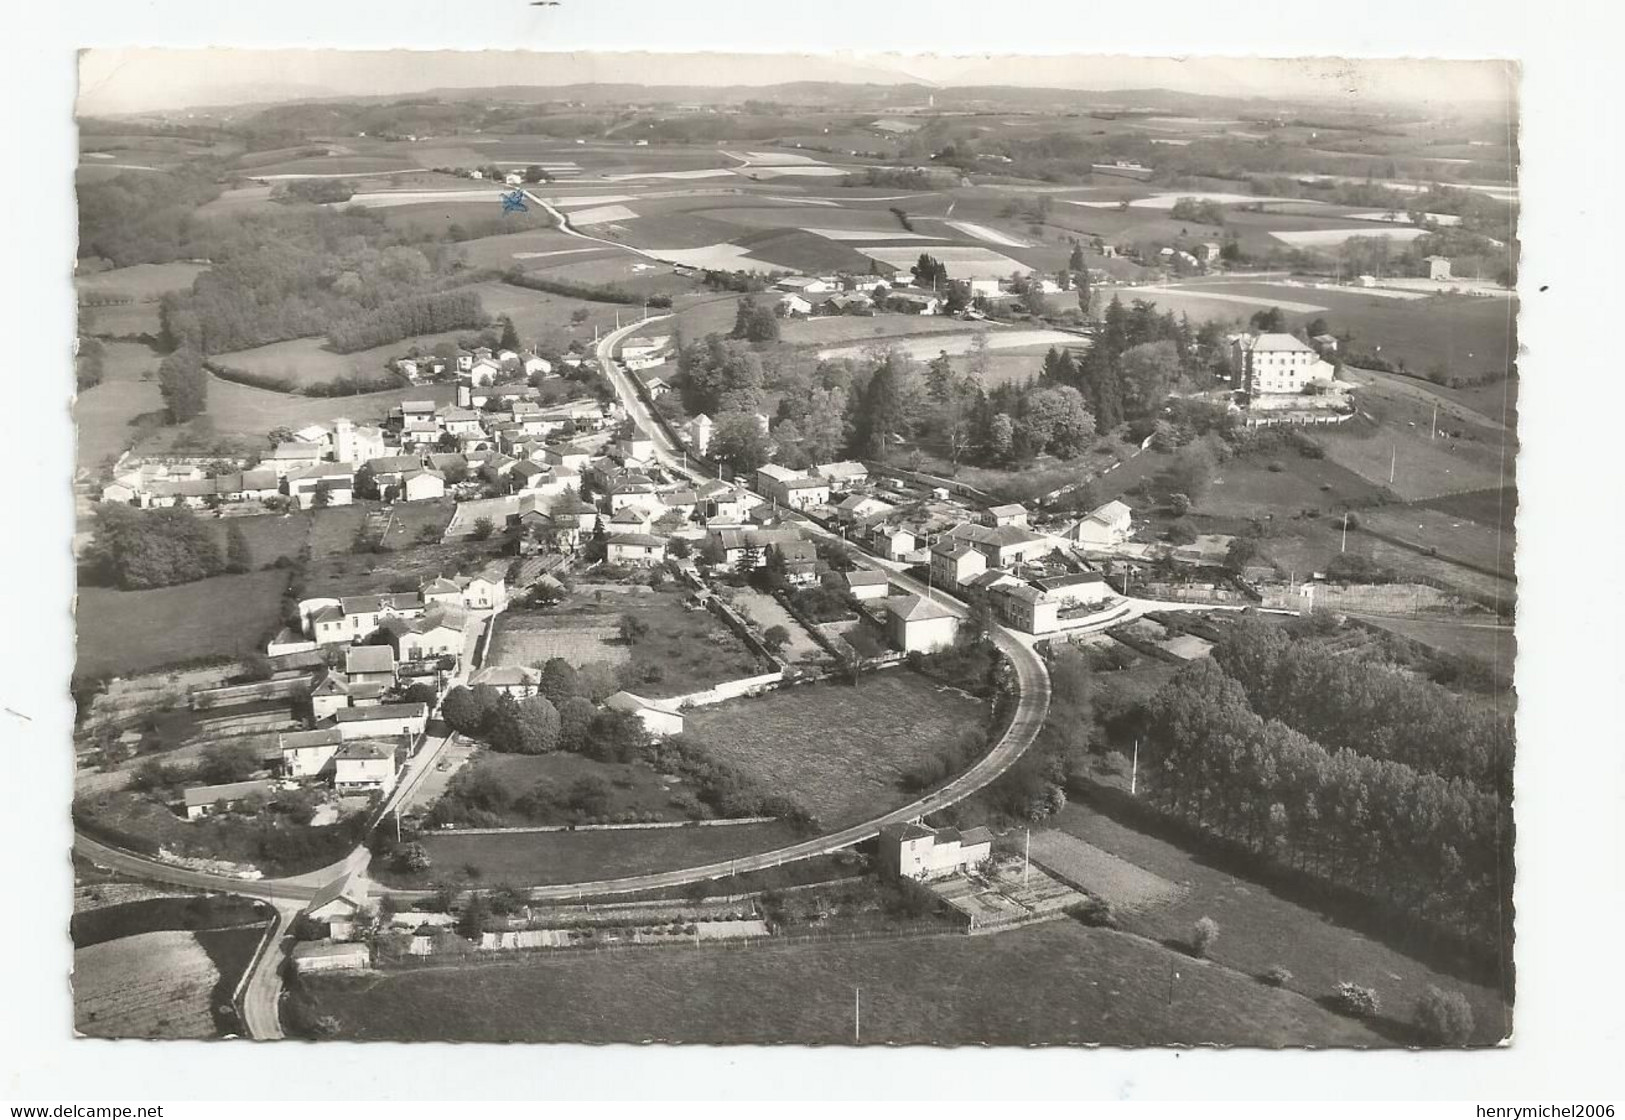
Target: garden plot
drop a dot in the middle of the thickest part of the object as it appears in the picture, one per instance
(1123, 885)
(767, 612)
(578, 639)
(150, 985)
(992, 236)
(964, 262)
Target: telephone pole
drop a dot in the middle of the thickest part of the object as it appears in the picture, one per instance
(857, 1014)
(1134, 772)
(1345, 547)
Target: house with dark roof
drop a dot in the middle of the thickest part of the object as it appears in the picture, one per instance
(641, 550)
(200, 801)
(309, 754)
(382, 721)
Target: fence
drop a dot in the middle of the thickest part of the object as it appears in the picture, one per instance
(931, 481)
(729, 690)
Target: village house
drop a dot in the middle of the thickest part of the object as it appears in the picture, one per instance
(864, 585)
(309, 754)
(439, 633)
(659, 717)
(916, 624)
(422, 485)
(698, 433)
(858, 507)
(892, 541)
(1013, 514)
(200, 801)
(1104, 526)
(518, 681)
(287, 457)
(336, 480)
(329, 694)
(339, 903)
(842, 476)
(790, 304)
(417, 412)
(361, 614)
(357, 443)
(954, 563)
(1041, 606)
(383, 721)
(370, 664)
(1003, 546)
(913, 851)
(653, 384)
(637, 549)
(363, 767)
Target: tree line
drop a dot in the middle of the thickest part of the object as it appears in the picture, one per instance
(1370, 708)
(597, 293)
(1433, 847)
(429, 313)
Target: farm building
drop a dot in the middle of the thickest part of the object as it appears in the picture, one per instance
(659, 718)
(864, 585)
(914, 851)
(1038, 607)
(337, 903)
(1012, 514)
(842, 475)
(336, 480)
(202, 800)
(914, 623)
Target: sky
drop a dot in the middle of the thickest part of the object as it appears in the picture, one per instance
(148, 79)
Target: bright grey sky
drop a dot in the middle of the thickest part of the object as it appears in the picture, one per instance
(132, 80)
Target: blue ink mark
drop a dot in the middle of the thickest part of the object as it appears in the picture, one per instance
(514, 203)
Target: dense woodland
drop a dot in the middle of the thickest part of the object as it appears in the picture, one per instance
(1403, 802)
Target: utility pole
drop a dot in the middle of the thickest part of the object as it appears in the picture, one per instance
(1345, 547)
(1027, 859)
(857, 1014)
(1393, 461)
(1433, 429)
(1134, 773)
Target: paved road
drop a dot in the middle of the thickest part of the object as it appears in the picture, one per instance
(262, 995)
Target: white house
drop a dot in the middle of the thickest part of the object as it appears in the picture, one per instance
(637, 549)
(791, 304)
(287, 457)
(698, 431)
(1274, 363)
(336, 480)
(364, 767)
(307, 754)
(864, 585)
(1013, 514)
(842, 475)
(1105, 526)
(659, 717)
(918, 624)
(383, 721)
(422, 485)
(913, 851)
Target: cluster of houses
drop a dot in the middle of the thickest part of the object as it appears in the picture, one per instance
(496, 433)
(807, 296)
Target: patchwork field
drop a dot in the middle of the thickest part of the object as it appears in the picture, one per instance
(963, 262)
(580, 639)
(143, 283)
(105, 415)
(1098, 988)
(242, 408)
(634, 788)
(840, 751)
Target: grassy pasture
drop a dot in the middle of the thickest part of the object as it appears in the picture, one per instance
(144, 283)
(244, 409)
(124, 632)
(839, 750)
(538, 858)
(334, 166)
(1261, 929)
(307, 361)
(508, 250)
(120, 320)
(148, 985)
(1099, 988)
(865, 328)
(106, 416)
(634, 787)
(803, 252)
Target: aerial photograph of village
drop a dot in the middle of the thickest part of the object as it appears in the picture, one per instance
(734, 552)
